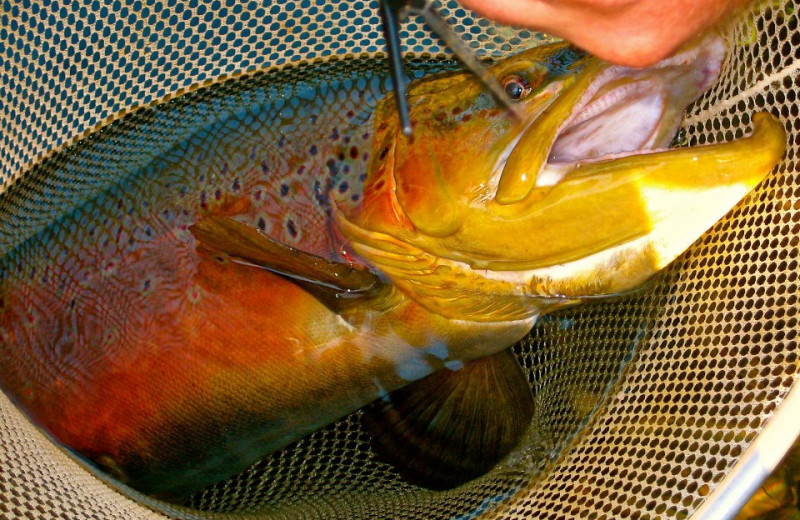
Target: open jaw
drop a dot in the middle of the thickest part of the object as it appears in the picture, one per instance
(615, 136)
(621, 111)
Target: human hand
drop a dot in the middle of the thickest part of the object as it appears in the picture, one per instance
(636, 33)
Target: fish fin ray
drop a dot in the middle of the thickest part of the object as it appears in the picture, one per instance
(336, 284)
(453, 426)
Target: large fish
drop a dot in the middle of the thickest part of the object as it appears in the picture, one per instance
(259, 282)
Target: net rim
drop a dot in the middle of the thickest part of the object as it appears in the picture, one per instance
(757, 462)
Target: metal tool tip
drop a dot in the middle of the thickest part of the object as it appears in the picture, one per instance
(407, 131)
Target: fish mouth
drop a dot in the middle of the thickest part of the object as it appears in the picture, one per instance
(612, 111)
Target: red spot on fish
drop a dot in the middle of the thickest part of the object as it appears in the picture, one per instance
(353, 152)
(466, 117)
(218, 194)
(457, 110)
(348, 257)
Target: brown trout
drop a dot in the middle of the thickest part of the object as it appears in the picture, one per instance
(264, 279)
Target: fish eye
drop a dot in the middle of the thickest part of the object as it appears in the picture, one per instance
(516, 87)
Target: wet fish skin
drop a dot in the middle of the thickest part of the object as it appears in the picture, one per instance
(173, 364)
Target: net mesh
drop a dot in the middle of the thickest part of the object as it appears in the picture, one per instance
(643, 403)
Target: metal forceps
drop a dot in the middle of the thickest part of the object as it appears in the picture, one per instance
(392, 13)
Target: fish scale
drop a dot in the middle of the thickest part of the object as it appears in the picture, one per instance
(125, 259)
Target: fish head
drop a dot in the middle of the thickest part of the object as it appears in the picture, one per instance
(424, 182)
(579, 197)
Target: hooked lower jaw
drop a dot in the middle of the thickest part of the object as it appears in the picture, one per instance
(679, 208)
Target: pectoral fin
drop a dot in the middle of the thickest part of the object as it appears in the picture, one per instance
(335, 284)
(454, 425)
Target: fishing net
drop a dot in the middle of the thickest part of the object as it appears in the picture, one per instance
(655, 405)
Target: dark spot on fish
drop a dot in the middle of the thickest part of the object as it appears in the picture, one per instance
(383, 153)
(148, 231)
(284, 190)
(346, 139)
(346, 169)
(333, 168)
(225, 168)
(264, 167)
(335, 134)
(365, 136)
(353, 152)
(351, 114)
(383, 126)
(257, 195)
(147, 285)
(365, 157)
(253, 153)
(457, 110)
(440, 116)
(291, 227)
(236, 186)
(281, 141)
(262, 224)
(362, 177)
(203, 203)
(466, 117)
(313, 118)
(201, 178)
(301, 169)
(218, 194)
(354, 198)
(313, 150)
(343, 187)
